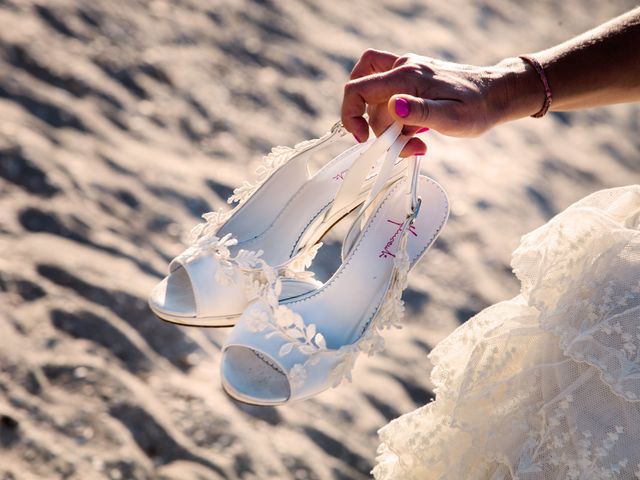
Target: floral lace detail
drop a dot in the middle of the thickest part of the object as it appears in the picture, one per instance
(587, 461)
(595, 314)
(209, 228)
(542, 386)
(301, 336)
(281, 320)
(297, 376)
(297, 266)
(204, 238)
(392, 309)
(260, 279)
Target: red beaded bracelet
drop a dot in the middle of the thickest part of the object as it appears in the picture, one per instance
(548, 97)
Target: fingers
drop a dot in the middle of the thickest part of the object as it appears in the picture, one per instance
(415, 146)
(373, 61)
(372, 89)
(379, 118)
(437, 114)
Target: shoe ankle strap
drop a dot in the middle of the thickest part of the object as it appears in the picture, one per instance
(416, 201)
(355, 178)
(310, 147)
(411, 180)
(386, 169)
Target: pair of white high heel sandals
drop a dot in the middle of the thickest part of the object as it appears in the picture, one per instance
(294, 336)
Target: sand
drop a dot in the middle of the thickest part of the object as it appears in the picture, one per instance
(121, 122)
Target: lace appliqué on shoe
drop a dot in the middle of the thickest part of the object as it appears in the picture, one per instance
(260, 279)
(297, 267)
(280, 320)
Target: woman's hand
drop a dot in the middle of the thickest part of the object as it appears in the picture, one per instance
(422, 92)
(599, 67)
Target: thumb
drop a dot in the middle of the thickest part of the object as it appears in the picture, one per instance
(419, 112)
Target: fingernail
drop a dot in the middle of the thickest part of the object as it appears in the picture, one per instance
(402, 107)
(356, 137)
(425, 129)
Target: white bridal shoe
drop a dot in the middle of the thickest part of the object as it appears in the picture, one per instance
(271, 235)
(283, 351)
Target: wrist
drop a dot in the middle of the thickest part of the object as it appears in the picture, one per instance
(522, 93)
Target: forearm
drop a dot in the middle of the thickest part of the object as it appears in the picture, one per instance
(599, 67)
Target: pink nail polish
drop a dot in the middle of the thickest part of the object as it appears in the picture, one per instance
(356, 137)
(402, 107)
(421, 130)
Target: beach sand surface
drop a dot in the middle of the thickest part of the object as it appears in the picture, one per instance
(121, 122)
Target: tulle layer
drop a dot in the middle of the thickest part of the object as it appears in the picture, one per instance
(546, 385)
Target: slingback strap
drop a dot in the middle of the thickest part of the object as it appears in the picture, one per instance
(361, 169)
(335, 133)
(382, 179)
(385, 172)
(350, 195)
(416, 201)
(354, 184)
(280, 156)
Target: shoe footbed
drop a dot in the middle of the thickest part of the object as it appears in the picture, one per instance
(255, 380)
(174, 295)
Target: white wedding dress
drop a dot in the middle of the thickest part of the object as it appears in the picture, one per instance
(546, 385)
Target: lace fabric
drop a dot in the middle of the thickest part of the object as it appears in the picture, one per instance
(546, 385)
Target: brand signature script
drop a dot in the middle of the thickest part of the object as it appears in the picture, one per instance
(386, 252)
(340, 176)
